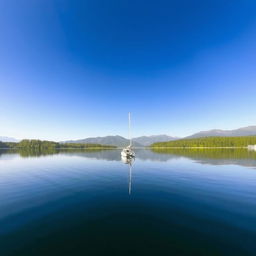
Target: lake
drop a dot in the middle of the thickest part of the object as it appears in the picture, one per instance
(166, 202)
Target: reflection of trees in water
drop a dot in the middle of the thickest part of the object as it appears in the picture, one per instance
(114, 155)
(205, 156)
(101, 154)
(27, 152)
(33, 152)
(105, 154)
(214, 155)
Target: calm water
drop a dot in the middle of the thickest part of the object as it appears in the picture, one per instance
(91, 203)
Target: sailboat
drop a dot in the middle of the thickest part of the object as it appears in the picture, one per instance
(127, 151)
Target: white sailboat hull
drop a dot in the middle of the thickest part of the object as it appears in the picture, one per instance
(127, 153)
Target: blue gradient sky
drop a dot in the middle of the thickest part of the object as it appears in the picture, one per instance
(73, 69)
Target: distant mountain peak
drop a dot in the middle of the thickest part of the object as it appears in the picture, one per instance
(113, 140)
(148, 140)
(243, 131)
(8, 139)
(119, 141)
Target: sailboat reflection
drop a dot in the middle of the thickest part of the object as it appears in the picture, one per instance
(129, 161)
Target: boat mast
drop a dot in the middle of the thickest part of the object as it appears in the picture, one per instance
(129, 118)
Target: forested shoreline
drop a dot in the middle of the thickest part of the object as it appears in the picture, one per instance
(206, 142)
(43, 144)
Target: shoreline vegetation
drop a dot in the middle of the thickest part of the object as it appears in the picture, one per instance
(194, 143)
(45, 145)
(208, 142)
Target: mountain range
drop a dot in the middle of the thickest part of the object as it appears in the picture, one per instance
(244, 131)
(122, 142)
(148, 140)
(8, 139)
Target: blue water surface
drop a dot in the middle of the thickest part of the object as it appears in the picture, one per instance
(93, 203)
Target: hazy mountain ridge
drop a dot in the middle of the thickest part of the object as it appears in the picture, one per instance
(120, 141)
(244, 131)
(148, 140)
(8, 139)
(117, 140)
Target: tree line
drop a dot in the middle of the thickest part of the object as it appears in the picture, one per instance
(44, 144)
(242, 141)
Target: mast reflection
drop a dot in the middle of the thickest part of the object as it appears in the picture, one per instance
(129, 161)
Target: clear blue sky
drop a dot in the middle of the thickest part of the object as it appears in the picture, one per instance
(74, 68)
